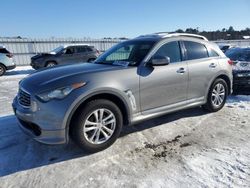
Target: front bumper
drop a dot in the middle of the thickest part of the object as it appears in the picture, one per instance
(241, 83)
(36, 125)
(36, 65)
(10, 67)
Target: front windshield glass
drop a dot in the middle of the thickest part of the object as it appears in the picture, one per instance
(58, 49)
(129, 53)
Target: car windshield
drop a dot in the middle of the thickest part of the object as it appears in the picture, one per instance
(129, 53)
(58, 49)
(233, 54)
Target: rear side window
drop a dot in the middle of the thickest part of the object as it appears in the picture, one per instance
(171, 50)
(90, 49)
(81, 49)
(4, 51)
(195, 50)
(212, 53)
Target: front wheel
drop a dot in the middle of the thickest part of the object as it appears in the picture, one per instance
(217, 96)
(2, 70)
(51, 64)
(97, 126)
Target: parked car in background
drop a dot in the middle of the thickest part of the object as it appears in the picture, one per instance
(225, 47)
(133, 81)
(6, 60)
(74, 53)
(241, 69)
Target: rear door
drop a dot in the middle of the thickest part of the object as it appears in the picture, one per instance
(202, 65)
(81, 54)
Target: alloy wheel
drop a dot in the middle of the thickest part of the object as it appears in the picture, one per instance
(218, 94)
(99, 126)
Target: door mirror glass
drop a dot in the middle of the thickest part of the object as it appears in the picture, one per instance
(159, 60)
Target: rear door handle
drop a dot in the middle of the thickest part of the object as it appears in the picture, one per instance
(181, 70)
(212, 65)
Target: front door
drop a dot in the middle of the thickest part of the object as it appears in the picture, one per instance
(161, 86)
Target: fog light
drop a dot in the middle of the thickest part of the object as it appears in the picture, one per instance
(33, 106)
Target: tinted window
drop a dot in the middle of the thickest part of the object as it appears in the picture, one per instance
(171, 50)
(212, 53)
(90, 49)
(4, 51)
(81, 49)
(195, 50)
(248, 56)
(69, 50)
(233, 54)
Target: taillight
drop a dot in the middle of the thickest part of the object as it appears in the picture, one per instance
(9, 55)
(230, 62)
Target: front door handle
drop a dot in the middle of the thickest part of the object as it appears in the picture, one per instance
(181, 70)
(212, 65)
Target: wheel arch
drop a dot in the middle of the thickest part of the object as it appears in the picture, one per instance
(48, 61)
(3, 65)
(224, 77)
(115, 98)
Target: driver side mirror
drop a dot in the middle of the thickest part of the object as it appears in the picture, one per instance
(159, 60)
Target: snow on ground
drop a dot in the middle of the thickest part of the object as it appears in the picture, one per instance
(9, 87)
(189, 148)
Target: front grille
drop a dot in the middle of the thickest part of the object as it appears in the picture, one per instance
(24, 98)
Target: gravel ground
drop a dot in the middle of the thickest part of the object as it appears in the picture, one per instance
(189, 148)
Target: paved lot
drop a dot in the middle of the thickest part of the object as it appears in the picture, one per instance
(189, 148)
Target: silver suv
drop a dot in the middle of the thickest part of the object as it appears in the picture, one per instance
(6, 60)
(133, 81)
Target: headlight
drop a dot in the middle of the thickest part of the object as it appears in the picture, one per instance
(60, 93)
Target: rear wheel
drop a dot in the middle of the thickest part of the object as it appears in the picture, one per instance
(2, 70)
(97, 126)
(50, 64)
(217, 96)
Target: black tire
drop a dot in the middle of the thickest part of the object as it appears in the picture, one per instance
(2, 70)
(50, 64)
(235, 91)
(209, 106)
(77, 129)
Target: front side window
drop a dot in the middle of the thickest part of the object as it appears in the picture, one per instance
(129, 52)
(171, 50)
(195, 50)
(69, 50)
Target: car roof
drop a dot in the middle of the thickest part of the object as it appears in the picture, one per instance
(163, 35)
(72, 45)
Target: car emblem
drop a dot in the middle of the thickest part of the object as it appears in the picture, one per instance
(244, 64)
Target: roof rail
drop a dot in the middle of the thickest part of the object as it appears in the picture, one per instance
(165, 34)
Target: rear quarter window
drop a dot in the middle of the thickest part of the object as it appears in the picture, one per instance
(195, 50)
(212, 53)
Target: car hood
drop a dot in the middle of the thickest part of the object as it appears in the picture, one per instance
(42, 55)
(62, 75)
